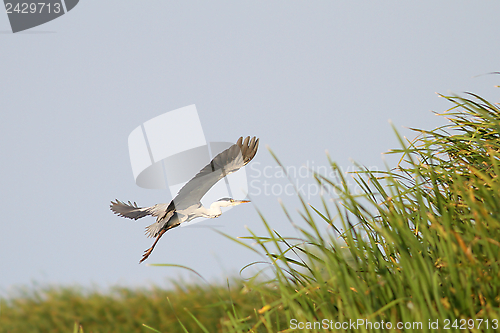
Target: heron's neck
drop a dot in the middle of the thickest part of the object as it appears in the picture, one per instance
(214, 209)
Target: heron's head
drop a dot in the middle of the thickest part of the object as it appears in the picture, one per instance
(228, 202)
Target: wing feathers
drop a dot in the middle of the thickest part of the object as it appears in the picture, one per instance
(134, 212)
(130, 210)
(225, 163)
(248, 149)
(252, 150)
(244, 148)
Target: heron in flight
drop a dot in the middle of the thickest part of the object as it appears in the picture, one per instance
(186, 205)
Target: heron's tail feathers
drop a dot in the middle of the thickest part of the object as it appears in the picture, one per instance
(129, 210)
(153, 229)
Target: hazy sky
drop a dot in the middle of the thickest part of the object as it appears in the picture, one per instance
(302, 76)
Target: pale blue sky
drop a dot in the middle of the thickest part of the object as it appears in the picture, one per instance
(302, 76)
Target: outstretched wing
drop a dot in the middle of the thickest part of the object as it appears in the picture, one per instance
(132, 211)
(225, 163)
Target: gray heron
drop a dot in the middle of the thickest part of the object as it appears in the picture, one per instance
(186, 205)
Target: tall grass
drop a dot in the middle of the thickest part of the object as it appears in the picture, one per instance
(417, 250)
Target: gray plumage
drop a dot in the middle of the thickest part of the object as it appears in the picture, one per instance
(186, 205)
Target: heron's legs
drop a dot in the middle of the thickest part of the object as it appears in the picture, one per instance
(148, 251)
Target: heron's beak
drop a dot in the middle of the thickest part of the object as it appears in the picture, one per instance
(241, 201)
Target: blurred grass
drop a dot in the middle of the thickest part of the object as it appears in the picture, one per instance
(418, 245)
(55, 309)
